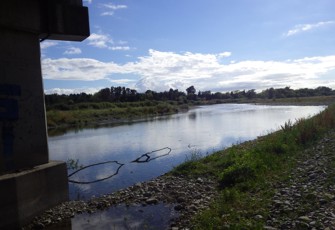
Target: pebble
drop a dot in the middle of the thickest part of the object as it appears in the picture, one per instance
(306, 200)
(187, 195)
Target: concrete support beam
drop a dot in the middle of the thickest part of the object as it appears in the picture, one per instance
(26, 194)
(23, 131)
(29, 183)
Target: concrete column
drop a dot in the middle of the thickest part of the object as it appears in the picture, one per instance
(29, 183)
(23, 134)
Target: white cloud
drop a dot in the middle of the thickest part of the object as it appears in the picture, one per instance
(114, 7)
(99, 40)
(72, 50)
(121, 81)
(124, 48)
(104, 41)
(88, 1)
(163, 70)
(306, 27)
(225, 54)
(110, 9)
(47, 44)
(83, 69)
(107, 13)
(72, 91)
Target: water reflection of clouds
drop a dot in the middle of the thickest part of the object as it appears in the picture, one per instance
(205, 128)
(134, 140)
(122, 217)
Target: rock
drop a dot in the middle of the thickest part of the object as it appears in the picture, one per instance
(178, 207)
(181, 199)
(304, 218)
(259, 217)
(147, 194)
(39, 225)
(301, 225)
(151, 201)
(269, 228)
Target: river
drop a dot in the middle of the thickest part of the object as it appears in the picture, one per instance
(167, 141)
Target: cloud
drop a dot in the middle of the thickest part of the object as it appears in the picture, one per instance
(72, 91)
(88, 1)
(99, 40)
(110, 8)
(161, 71)
(47, 44)
(104, 41)
(83, 69)
(72, 50)
(306, 27)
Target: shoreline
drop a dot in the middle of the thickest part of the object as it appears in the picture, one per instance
(121, 121)
(156, 191)
(189, 196)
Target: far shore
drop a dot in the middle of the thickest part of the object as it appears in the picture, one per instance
(104, 118)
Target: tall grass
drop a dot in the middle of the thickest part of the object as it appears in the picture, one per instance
(91, 113)
(246, 172)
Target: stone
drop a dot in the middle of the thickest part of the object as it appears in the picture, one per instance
(181, 199)
(151, 201)
(258, 217)
(304, 218)
(178, 207)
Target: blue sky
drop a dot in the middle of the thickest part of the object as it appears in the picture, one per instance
(217, 45)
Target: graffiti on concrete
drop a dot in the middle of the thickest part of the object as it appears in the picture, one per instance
(9, 113)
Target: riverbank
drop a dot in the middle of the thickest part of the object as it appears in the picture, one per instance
(234, 188)
(84, 115)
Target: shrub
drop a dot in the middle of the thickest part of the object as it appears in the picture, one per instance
(236, 174)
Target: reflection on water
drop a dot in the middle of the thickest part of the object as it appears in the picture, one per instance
(145, 158)
(123, 217)
(205, 128)
(110, 174)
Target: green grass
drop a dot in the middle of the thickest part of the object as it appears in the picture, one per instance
(247, 172)
(85, 114)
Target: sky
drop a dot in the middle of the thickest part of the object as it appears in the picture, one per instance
(216, 45)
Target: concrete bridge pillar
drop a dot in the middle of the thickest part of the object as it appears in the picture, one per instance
(29, 182)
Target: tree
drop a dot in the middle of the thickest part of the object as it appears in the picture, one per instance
(250, 94)
(191, 90)
(191, 93)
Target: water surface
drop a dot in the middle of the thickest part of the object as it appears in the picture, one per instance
(167, 141)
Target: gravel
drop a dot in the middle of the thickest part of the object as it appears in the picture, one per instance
(307, 199)
(188, 196)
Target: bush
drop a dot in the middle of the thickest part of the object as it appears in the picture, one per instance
(236, 174)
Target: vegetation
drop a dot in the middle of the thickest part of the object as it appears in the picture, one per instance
(117, 104)
(247, 172)
(83, 114)
(122, 94)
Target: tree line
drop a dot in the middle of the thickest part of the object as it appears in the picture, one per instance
(123, 94)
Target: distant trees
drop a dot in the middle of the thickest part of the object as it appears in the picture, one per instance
(121, 94)
(191, 93)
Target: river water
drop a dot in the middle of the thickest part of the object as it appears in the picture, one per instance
(167, 141)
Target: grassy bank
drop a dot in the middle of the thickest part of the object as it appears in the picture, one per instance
(247, 173)
(84, 114)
